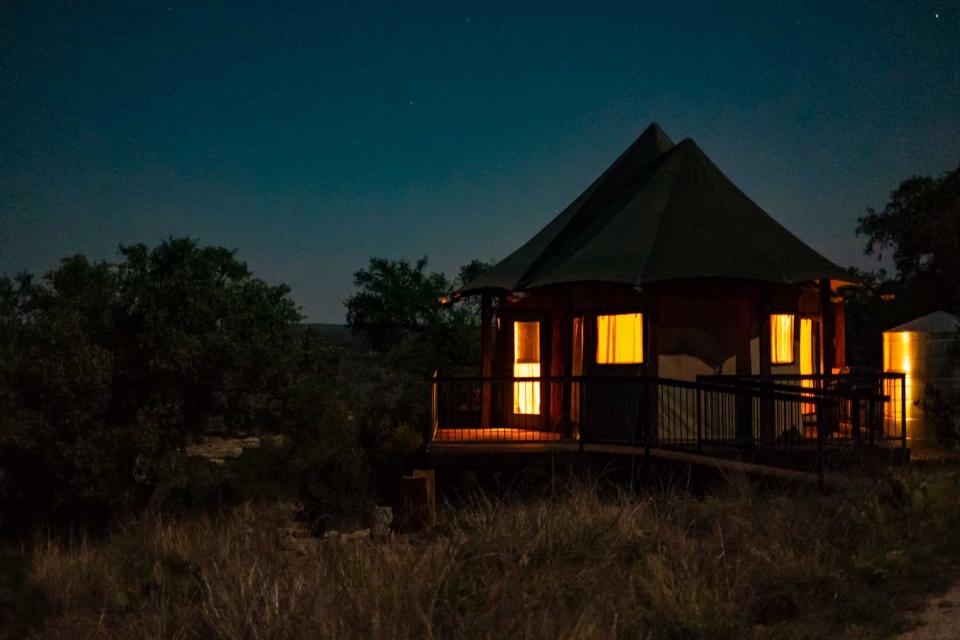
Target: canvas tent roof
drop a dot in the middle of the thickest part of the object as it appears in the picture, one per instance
(936, 322)
(659, 212)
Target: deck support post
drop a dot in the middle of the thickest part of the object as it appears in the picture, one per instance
(699, 421)
(855, 417)
(828, 324)
(903, 415)
(486, 357)
(821, 436)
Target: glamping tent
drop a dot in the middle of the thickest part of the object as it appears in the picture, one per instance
(662, 267)
(926, 350)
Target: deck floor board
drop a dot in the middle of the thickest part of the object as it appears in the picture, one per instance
(494, 434)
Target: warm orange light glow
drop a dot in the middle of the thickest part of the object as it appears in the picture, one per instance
(899, 356)
(620, 339)
(781, 338)
(526, 364)
(906, 363)
(806, 357)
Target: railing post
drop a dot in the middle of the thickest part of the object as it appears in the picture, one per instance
(582, 427)
(855, 416)
(699, 421)
(903, 414)
(821, 436)
(647, 429)
(434, 418)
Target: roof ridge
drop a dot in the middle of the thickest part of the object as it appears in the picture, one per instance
(571, 230)
(666, 207)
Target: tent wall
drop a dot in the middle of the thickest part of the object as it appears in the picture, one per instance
(691, 328)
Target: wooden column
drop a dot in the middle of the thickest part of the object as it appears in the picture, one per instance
(765, 407)
(828, 327)
(651, 358)
(486, 355)
(839, 335)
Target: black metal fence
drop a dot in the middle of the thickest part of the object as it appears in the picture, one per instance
(778, 412)
(866, 407)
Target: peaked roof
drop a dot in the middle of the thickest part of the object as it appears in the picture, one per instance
(936, 322)
(660, 212)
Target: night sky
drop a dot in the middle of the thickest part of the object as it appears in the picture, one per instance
(314, 137)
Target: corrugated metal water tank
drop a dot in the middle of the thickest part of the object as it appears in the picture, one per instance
(927, 350)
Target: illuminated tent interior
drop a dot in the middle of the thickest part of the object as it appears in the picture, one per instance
(661, 267)
(925, 350)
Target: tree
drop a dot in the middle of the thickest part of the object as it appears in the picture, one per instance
(397, 311)
(107, 370)
(469, 272)
(398, 314)
(199, 336)
(395, 299)
(921, 225)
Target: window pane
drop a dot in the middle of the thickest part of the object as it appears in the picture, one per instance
(526, 364)
(806, 360)
(781, 338)
(806, 346)
(620, 339)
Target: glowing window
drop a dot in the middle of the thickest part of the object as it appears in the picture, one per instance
(899, 355)
(807, 359)
(781, 338)
(526, 364)
(620, 339)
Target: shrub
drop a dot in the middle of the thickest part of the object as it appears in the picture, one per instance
(24, 604)
(333, 478)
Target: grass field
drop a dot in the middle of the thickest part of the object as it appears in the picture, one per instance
(586, 563)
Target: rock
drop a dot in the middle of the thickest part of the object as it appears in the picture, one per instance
(380, 520)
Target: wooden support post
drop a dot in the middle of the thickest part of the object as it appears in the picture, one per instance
(821, 436)
(486, 357)
(828, 325)
(855, 417)
(903, 415)
(416, 502)
(699, 418)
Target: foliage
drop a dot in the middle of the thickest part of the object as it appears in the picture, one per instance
(395, 299)
(108, 370)
(941, 410)
(738, 563)
(468, 273)
(24, 604)
(333, 475)
(868, 315)
(397, 312)
(921, 225)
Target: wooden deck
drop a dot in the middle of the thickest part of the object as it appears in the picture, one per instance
(494, 435)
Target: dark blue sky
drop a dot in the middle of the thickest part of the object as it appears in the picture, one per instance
(310, 138)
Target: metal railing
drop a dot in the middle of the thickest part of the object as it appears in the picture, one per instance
(782, 412)
(868, 408)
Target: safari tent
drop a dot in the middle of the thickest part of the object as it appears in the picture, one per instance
(662, 269)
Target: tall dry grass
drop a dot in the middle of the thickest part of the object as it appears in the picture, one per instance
(737, 564)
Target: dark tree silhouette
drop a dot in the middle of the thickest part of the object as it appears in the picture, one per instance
(921, 226)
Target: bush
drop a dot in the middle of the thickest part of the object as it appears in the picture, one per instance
(24, 604)
(333, 478)
(942, 413)
(106, 370)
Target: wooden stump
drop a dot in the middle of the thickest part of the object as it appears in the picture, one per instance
(416, 502)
